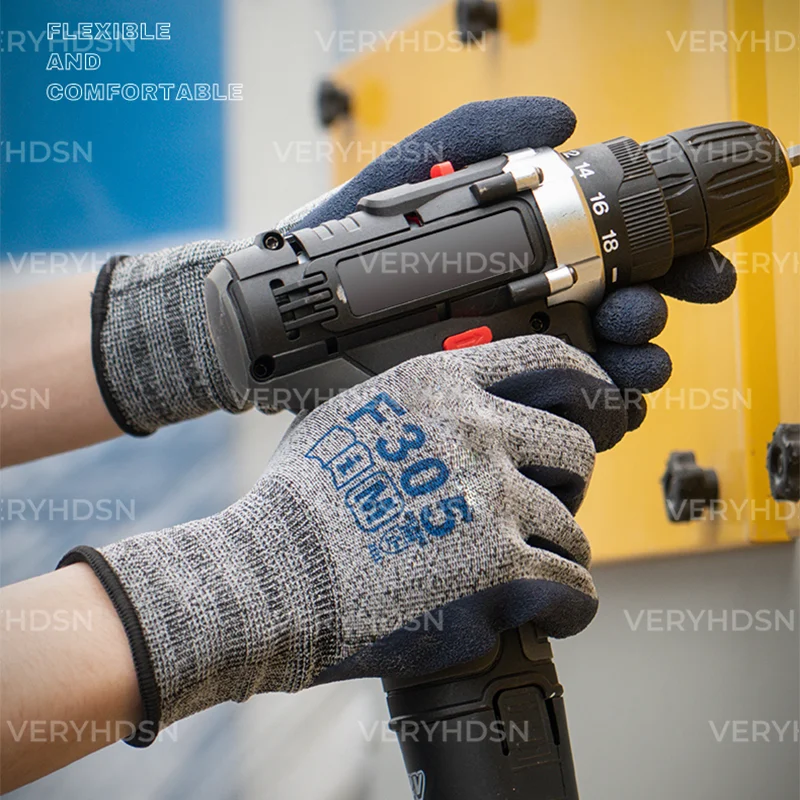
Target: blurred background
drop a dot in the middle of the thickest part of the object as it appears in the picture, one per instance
(647, 707)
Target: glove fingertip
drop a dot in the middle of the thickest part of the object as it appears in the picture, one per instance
(555, 120)
(645, 367)
(485, 128)
(468, 134)
(637, 409)
(707, 278)
(633, 315)
(594, 404)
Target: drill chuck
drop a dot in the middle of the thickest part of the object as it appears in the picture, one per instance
(679, 194)
(719, 180)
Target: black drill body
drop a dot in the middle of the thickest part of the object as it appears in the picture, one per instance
(528, 242)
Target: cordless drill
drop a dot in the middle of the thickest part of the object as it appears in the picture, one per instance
(527, 242)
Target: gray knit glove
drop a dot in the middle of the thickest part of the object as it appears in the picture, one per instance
(153, 357)
(420, 489)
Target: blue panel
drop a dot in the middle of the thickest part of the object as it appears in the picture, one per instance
(156, 166)
(156, 170)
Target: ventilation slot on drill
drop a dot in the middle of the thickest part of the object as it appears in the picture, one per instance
(303, 302)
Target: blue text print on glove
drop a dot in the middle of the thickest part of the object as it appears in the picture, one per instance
(378, 506)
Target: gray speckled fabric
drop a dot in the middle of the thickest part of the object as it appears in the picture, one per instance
(396, 497)
(157, 359)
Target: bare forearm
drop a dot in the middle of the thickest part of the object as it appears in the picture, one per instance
(67, 681)
(51, 400)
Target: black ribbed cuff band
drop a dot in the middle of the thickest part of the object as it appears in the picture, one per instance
(99, 310)
(147, 730)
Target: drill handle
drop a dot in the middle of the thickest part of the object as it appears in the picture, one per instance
(495, 727)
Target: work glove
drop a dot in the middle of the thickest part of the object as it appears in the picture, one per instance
(420, 490)
(153, 357)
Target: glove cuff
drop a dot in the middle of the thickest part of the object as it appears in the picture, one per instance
(153, 357)
(99, 307)
(148, 727)
(222, 608)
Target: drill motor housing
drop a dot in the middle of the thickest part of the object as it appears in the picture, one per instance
(526, 242)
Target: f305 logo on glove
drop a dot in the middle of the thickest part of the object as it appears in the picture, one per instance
(378, 505)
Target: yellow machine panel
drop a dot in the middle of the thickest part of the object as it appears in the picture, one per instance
(669, 66)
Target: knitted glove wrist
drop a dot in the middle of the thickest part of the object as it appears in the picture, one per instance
(222, 608)
(153, 357)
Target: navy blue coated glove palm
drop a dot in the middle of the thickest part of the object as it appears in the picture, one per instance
(471, 133)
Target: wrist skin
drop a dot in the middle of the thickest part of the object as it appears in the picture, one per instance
(68, 689)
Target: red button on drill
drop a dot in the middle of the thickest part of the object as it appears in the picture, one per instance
(442, 168)
(470, 338)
